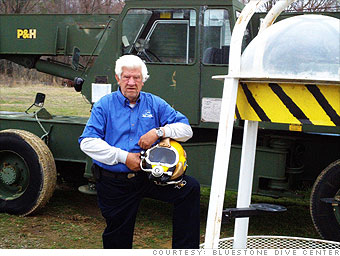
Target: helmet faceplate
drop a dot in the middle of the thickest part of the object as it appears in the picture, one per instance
(166, 162)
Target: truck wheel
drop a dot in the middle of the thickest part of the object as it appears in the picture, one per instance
(27, 172)
(326, 216)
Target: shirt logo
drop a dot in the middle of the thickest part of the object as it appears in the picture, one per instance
(147, 114)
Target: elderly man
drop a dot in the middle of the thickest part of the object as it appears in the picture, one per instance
(121, 125)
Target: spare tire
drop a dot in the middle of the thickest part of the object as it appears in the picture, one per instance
(27, 172)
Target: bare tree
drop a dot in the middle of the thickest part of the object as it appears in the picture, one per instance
(305, 5)
(18, 6)
(108, 6)
(316, 5)
(85, 6)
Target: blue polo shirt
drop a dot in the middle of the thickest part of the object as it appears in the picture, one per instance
(113, 120)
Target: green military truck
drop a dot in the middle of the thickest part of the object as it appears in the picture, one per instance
(184, 44)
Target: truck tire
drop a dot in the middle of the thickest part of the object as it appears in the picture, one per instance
(325, 216)
(27, 172)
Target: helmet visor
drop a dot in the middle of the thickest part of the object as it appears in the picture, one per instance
(162, 155)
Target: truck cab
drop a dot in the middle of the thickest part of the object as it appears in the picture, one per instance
(183, 44)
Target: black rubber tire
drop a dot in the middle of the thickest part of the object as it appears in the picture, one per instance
(40, 165)
(327, 185)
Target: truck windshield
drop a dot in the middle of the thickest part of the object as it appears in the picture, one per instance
(163, 36)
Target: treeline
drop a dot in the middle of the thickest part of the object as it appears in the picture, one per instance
(305, 5)
(11, 73)
(61, 6)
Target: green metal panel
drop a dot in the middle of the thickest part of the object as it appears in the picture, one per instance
(63, 131)
(104, 64)
(270, 164)
(54, 34)
(179, 85)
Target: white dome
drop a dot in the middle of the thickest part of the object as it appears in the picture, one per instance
(301, 47)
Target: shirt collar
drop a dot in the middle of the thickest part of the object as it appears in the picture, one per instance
(125, 101)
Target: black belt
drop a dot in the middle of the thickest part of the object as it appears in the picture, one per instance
(116, 175)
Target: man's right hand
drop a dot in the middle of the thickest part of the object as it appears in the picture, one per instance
(133, 161)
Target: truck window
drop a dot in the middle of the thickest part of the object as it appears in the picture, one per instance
(160, 36)
(216, 36)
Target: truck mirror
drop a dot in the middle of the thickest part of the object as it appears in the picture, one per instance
(39, 99)
(38, 102)
(75, 58)
(78, 83)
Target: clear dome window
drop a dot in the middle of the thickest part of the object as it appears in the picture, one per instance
(301, 47)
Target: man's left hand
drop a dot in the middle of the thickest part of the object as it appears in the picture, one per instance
(148, 139)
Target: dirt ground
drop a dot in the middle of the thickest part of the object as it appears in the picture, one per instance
(72, 220)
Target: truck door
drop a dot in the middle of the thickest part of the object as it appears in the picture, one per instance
(166, 40)
(216, 27)
(215, 38)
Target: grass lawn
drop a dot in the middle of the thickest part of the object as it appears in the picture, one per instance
(59, 100)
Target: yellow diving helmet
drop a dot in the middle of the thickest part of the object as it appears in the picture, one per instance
(166, 163)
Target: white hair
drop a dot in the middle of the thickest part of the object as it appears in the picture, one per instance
(131, 61)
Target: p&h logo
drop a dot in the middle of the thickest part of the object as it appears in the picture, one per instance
(26, 33)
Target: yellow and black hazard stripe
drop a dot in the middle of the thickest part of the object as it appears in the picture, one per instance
(321, 99)
(289, 103)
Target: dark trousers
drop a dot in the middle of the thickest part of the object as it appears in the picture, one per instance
(119, 199)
